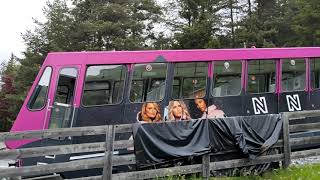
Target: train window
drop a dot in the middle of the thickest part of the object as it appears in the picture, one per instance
(136, 94)
(315, 73)
(66, 85)
(176, 88)
(62, 108)
(227, 78)
(62, 94)
(148, 82)
(117, 91)
(293, 74)
(261, 76)
(40, 93)
(193, 77)
(104, 85)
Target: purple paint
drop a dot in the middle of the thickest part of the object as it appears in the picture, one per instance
(210, 70)
(124, 57)
(278, 77)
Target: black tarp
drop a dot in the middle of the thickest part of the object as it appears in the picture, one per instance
(160, 142)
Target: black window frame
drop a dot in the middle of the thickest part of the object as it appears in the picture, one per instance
(182, 79)
(281, 74)
(145, 83)
(75, 84)
(247, 76)
(125, 70)
(242, 76)
(47, 94)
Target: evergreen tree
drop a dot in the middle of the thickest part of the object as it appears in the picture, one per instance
(201, 23)
(114, 24)
(305, 22)
(54, 33)
(8, 95)
(231, 12)
(261, 29)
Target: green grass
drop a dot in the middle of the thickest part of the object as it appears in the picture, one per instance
(308, 172)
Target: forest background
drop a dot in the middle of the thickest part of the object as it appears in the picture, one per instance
(104, 25)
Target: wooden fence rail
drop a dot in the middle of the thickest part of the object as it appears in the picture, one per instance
(108, 160)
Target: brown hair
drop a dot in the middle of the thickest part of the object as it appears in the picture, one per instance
(199, 94)
(145, 118)
(185, 112)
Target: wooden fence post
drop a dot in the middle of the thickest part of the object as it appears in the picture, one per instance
(286, 140)
(206, 166)
(107, 168)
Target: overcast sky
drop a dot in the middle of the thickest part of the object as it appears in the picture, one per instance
(15, 18)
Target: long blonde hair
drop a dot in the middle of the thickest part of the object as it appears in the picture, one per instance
(144, 116)
(185, 112)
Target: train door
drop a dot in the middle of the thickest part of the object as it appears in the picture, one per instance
(294, 91)
(146, 93)
(227, 90)
(63, 107)
(261, 95)
(60, 111)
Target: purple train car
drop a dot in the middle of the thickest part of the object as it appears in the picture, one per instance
(75, 89)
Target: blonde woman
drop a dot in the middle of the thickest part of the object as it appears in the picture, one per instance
(150, 112)
(178, 111)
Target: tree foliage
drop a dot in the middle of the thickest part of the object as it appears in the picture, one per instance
(201, 22)
(8, 94)
(113, 24)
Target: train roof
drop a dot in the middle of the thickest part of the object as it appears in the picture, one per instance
(127, 57)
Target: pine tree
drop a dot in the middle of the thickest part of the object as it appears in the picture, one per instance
(114, 24)
(231, 11)
(8, 94)
(305, 22)
(201, 23)
(261, 28)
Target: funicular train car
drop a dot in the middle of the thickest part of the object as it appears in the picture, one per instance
(75, 89)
